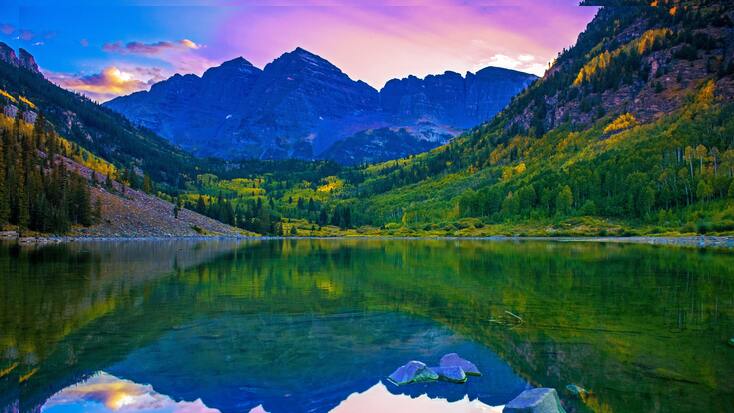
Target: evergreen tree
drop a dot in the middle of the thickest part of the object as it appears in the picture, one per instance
(147, 184)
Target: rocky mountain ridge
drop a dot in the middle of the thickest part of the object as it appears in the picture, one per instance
(300, 105)
(23, 59)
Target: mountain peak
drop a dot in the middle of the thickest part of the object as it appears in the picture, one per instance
(301, 51)
(301, 54)
(23, 59)
(237, 61)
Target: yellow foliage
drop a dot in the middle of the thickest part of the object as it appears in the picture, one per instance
(496, 155)
(624, 121)
(6, 371)
(8, 96)
(600, 62)
(706, 95)
(27, 376)
(332, 183)
(88, 159)
(520, 168)
(27, 102)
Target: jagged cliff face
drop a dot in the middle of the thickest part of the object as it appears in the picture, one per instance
(460, 102)
(23, 60)
(300, 106)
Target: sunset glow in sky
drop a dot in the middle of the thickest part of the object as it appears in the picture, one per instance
(124, 46)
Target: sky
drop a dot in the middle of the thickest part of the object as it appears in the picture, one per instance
(110, 48)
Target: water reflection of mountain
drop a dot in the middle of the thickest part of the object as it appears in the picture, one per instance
(628, 322)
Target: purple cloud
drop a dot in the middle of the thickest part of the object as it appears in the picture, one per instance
(148, 48)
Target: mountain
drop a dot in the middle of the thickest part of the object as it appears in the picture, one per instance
(50, 184)
(300, 105)
(22, 60)
(420, 114)
(100, 130)
(628, 132)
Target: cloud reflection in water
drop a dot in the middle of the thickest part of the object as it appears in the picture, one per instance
(104, 392)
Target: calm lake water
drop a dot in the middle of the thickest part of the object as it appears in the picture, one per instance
(318, 325)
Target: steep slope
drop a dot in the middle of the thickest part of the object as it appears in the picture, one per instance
(631, 125)
(300, 105)
(101, 130)
(126, 212)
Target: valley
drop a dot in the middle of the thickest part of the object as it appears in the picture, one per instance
(627, 134)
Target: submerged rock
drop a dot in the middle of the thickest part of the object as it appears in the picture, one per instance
(413, 372)
(541, 400)
(453, 374)
(454, 360)
(731, 342)
(577, 391)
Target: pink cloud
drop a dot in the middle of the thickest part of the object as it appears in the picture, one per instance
(112, 81)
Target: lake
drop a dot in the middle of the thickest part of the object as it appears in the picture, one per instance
(317, 325)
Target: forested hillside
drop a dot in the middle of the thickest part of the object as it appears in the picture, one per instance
(89, 125)
(631, 127)
(36, 191)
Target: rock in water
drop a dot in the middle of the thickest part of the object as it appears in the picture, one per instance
(413, 372)
(541, 400)
(577, 391)
(453, 360)
(453, 374)
(731, 342)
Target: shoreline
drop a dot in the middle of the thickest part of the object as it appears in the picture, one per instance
(697, 241)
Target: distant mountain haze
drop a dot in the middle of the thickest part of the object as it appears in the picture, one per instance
(300, 105)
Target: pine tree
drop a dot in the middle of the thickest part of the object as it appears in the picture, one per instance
(147, 184)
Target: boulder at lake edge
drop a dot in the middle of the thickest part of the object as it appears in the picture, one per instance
(540, 400)
(454, 360)
(413, 372)
(453, 374)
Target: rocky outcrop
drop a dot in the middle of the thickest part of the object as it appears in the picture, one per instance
(300, 106)
(7, 54)
(26, 61)
(22, 60)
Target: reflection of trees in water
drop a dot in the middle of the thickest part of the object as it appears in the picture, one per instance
(51, 291)
(637, 324)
